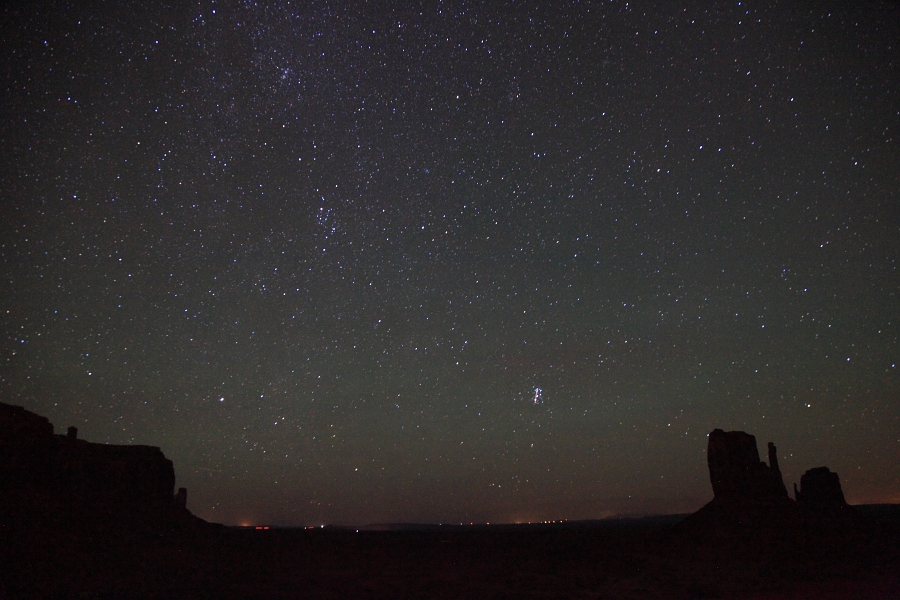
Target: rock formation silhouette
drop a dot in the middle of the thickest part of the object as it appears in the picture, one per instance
(751, 515)
(736, 471)
(820, 490)
(83, 520)
(61, 481)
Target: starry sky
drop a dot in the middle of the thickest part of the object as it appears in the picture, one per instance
(455, 261)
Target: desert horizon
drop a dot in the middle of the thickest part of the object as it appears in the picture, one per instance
(61, 490)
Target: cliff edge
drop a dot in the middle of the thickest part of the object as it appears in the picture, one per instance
(62, 482)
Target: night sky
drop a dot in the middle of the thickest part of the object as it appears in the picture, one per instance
(454, 261)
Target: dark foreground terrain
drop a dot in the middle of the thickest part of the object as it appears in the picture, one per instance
(85, 520)
(616, 559)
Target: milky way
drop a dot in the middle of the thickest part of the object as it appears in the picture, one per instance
(451, 262)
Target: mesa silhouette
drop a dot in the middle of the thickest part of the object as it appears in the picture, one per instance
(751, 517)
(62, 482)
(80, 519)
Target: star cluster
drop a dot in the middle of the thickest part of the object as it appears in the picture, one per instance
(444, 261)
